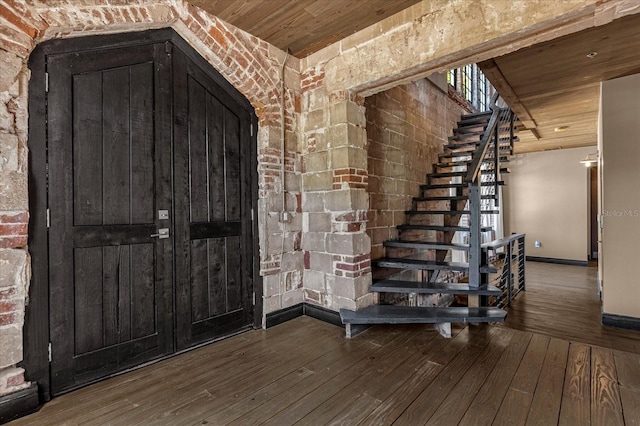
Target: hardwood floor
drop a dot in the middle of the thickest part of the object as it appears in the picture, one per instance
(305, 372)
(562, 301)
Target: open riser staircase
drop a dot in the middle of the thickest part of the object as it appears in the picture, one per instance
(445, 239)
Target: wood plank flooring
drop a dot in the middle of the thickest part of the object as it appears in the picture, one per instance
(305, 372)
(562, 301)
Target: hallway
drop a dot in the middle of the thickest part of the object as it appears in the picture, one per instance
(562, 301)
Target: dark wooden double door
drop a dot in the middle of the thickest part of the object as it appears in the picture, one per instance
(150, 239)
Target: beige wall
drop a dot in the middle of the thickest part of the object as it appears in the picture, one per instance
(546, 197)
(621, 196)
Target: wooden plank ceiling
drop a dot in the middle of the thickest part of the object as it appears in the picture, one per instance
(554, 87)
(303, 26)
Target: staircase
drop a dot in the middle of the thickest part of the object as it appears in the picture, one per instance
(419, 271)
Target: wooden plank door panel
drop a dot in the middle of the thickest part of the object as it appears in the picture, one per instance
(213, 218)
(110, 281)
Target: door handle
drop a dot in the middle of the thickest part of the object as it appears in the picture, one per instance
(162, 233)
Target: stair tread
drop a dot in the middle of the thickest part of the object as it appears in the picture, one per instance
(391, 314)
(426, 245)
(450, 198)
(467, 162)
(439, 228)
(451, 212)
(402, 286)
(455, 185)
(464, 173)
(432, 265)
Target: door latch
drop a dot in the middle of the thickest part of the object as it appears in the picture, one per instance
(162, 233)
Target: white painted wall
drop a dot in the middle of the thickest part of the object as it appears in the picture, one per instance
(620, 143)
(546, 197)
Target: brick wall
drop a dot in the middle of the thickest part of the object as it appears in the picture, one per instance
(406, 128)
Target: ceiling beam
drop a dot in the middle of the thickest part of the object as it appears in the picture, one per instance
(492, 72)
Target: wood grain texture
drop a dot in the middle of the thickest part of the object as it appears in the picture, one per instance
(304, 26)
(577, 387)
(562, 301)
(386, 375)
(606, 407)
(562, 89)
(545, 406)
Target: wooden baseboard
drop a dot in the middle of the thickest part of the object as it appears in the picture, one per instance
(323, 314)
(313, 311)
(19, 403)
(560, 261)
(621, 321)
(284, 315)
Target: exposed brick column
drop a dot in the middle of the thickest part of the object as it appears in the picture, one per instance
(335, 200)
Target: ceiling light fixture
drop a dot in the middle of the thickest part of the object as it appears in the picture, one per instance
(592, 55)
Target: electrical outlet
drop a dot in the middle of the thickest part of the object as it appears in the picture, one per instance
(538, 244)
(285, 217)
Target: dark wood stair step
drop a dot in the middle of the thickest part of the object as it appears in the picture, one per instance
(398, 286)
(451, 198)
(466, 118)
(467, 162)
(390, 314)
(455, 185)
(448, 212)
(443, 228)
(427, 265)
(464, 173)
(425, 245)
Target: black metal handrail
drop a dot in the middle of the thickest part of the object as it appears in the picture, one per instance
(512, 279)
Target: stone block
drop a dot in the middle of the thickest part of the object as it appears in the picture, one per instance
(347, 112)
(292, 181)
(271, 285)
(349, 244)
(347, 200)
(315, 119)
(321, 181)
(11, 65)
(316, 222)
(321, 262)
(314, 241)
(314, 280)
(14, 264)
(13, 191)
(9, 149)
(272, 304)
(10, 345)
(347, 135)
(346, 157)
(292, 298)
(313, 202)
(292, 261)
(316, 161)
(351, 288)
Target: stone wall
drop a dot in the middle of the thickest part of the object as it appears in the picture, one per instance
(406, 129)
(14, 217)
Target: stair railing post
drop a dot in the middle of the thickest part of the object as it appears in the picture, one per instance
(521, 263)
(509, 274)
(496, 164)
(475, 237)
